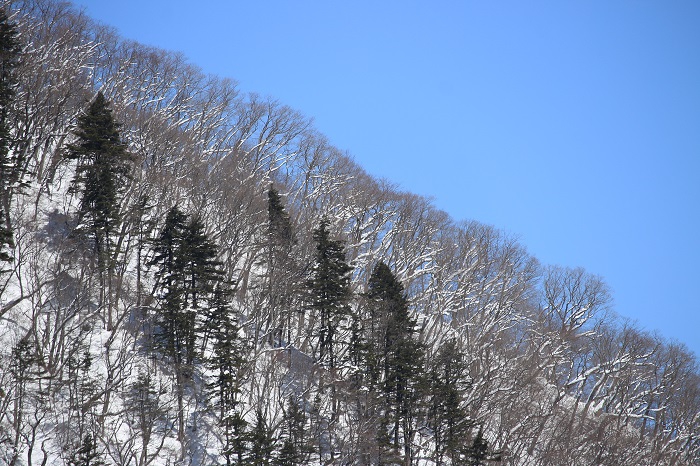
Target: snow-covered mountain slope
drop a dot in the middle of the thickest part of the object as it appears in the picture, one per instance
(114, 352)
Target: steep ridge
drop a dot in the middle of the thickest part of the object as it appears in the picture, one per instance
(272, 352)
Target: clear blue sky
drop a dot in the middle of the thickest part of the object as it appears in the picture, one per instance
(574, 126)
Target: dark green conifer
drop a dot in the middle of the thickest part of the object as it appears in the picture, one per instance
(104, 166)
(10, 50)
(87, 454)
(330, 291)
(145, 408)
(280, 229)
(202, 270)
(447, 414)
(397, 356)
(261, 440)
(295, 448)
(167, 246)
(170, 334)
(10, 168)
(186, 275)
(477, 453)
(6, 242)
(283, 272)
(228, 351)
(227, 362)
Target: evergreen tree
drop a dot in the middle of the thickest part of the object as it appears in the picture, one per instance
(227, 363)
(295, 448)
(359, 353)
(186, 277)
(103, 168)
(262, 443)
(10, 51)
(283, 271)
(6, 242)
(281, 234)
(477, 453)
(81, 385)
(171, 332)
(10, 168)
(21, 369)
(330, 291)
(384, 298)
(228, 351)
(144, 406)
(202, 272)
(166, 248)
(288, 455)
(170, 335)
(235, 438)
(398, 359)
(447, 415)
(87, 454)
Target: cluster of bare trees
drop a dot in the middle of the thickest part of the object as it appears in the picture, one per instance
(551, 375)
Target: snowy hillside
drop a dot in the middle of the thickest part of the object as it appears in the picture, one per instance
(196, 276)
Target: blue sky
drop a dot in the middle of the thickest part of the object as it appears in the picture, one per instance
(574, 126)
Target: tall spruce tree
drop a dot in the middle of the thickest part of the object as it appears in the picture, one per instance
(104, 166)
(280, 229)
(330, 291)
(447, 414)
(6, 243)
(202, 273)
(282, 270)
(202, 270)
(398, 358)
(187, 274)
(10, 167)
(170, 322)
(227, 362)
